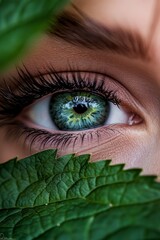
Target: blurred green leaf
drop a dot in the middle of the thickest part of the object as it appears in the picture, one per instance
(21, 21)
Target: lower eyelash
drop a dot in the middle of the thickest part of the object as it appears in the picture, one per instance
(37, 138)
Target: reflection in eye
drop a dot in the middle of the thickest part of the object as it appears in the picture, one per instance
(76, 111)
(57, 109)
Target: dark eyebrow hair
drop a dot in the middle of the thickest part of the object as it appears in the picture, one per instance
(83, 31)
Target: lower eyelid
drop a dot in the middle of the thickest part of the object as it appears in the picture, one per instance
(40, 139)
(36, 140)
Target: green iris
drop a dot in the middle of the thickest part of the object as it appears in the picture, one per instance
(78, 110)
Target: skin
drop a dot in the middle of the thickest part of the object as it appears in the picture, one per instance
(137, 145)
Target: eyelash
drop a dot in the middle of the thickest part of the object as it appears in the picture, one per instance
(29, 88)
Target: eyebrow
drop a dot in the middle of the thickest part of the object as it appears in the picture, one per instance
(83, 31)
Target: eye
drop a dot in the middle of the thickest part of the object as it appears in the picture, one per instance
(75, 111)
(72, 109)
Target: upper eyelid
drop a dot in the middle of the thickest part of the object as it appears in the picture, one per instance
(49, 69)
(22, 91)
(71, 69)
(123, 95)
(54, 78)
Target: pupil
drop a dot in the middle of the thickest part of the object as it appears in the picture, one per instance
(80, 108)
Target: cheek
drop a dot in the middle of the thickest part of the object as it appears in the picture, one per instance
(136, 149)
(140, 153)
(120, 149)
(10, 147)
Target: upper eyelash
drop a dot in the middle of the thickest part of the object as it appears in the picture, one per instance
(30, 88)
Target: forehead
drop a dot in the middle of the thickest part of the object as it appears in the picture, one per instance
(140, 15)
(123, 12)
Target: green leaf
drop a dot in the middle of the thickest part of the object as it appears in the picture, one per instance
(21, 21)
(45, 197)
